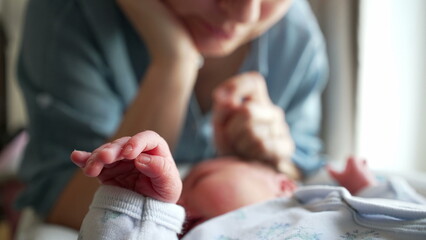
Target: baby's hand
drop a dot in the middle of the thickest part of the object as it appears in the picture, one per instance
(356, 175)
(142, 163)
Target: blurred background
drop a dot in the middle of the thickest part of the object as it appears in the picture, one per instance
(374, 104)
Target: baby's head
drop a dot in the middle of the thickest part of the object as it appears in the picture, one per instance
(218, 186)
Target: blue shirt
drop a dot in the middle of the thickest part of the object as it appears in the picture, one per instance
(80, 65)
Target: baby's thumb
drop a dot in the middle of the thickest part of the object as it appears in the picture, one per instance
(158, 168)
(150, 165)
(163, 175)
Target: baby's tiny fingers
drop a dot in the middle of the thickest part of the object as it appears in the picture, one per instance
(143, 142)
(80, 158)
(93, 168)
(111, 152)
(151, 166)
(107, 153)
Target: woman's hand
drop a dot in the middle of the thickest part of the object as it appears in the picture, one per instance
(164, 34)
(248, 124)
(142, 163)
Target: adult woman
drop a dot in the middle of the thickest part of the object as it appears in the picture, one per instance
(105, 69)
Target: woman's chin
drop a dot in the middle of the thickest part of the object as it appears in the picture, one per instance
(215, 49)
(214, 53)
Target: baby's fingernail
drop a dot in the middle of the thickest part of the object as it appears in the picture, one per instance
(128, 150)
(144, 159)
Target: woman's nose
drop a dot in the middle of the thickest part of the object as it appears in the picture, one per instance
(244, 11)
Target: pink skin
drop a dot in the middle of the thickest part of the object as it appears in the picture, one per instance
(142, 163)
(355, 177)
(218, 27)
(218, 186)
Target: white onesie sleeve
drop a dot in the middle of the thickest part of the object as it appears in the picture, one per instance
(393, 188)
(118, 213)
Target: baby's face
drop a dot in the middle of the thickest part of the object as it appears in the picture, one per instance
(218, 186)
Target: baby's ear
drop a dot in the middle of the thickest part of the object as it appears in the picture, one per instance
(286, 185)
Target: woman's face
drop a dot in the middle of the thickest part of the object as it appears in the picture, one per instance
(218, 27)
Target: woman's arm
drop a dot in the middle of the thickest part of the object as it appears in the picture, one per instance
(160, 103)
(163, 96)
